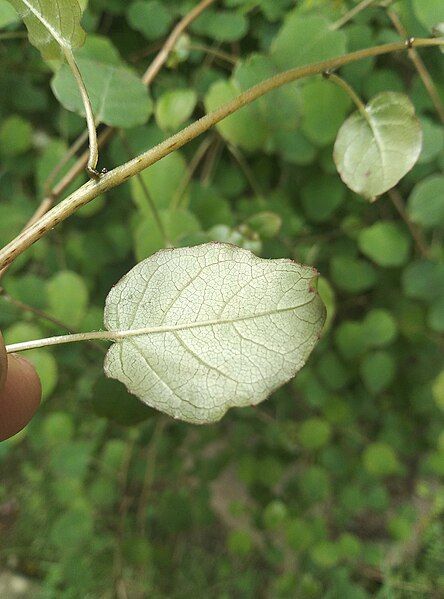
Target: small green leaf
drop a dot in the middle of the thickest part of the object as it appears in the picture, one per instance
(15, 136)
(244, 128)
(324, 108)
(151, 18)
(304, 39)
(375, 148)
(426, 202)
(378, 371)
(351, 274)
(266, 224)
(221, 26)
(52, 24)
(118, 96)
(380, 460)
(314, 433)
(207, 328)
(174, 107)
(8, 15)
(429, 12)
(379, 328)
(321, 196)
(433, 140)
(177, 224)
(386, 243)
(351, 339)
(424, 280)
(67, 297)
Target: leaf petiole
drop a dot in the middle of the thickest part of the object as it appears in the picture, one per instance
(89, 113)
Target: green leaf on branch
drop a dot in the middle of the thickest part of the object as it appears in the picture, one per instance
(426, 202)
(377, 146)
(305, 39)
(53, 25)
(161, 182)
(386, 243)
(68, 297)
(177, 224)
(208, 328)
(238, 127)
(174, 108)
(151, 18)
(118, 96)
(429, 12)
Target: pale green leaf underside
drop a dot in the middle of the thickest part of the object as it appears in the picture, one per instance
(374, 151)
(229, 329)
(52, 24)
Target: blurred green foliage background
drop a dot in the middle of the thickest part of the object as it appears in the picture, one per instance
(333, 487)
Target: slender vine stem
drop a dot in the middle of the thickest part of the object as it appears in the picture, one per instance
(89, 113)
(93, 189)
(340, 82)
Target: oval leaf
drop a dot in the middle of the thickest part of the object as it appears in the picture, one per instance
(375, 148)
(118, 96)
(52, 24)
(207, 328)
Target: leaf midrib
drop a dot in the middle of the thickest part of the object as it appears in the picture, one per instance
(55, 34)
(119, 335)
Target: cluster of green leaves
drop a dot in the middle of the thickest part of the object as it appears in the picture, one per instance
(309, 495)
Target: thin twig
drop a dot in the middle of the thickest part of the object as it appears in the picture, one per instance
(172, 40)
(93, 189)
(214, 52)
(398, 203)
(424, 74)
